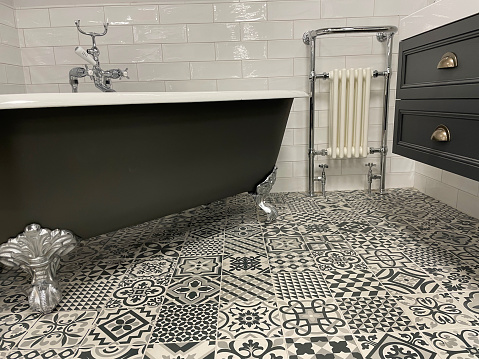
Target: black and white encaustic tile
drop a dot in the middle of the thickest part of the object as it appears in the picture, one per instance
(350, 277)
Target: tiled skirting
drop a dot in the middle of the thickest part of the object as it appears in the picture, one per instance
(356, 276)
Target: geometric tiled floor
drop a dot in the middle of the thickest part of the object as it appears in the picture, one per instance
(353, 276)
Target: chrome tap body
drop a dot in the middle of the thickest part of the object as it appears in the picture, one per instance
(101, 78)
(371, 176)
(322, 179)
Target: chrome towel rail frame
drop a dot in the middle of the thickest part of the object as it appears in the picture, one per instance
(383, 33)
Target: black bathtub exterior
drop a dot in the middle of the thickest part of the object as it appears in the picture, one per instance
(95, 169)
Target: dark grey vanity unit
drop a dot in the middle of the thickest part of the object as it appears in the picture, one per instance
(437, 106)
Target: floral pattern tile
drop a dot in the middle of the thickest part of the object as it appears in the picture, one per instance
(190, 350)
(204, 265)
(249, 320)
(319, 347)
(455, 343)
(245, 263)
(13, 328)
(454, 278)
(251, 349)
(193, 290)
(112, 351)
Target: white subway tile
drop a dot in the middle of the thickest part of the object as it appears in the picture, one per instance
(47, 88)
(293, 10)
(268, 68)
(60, 36)
(288, 137)
(116, 35)
(188, 52)
(7, 15)
(394, 7)
(347, 8)
(159, 33)
(38, 56)
(374, 21)
(464, 184)
(9, 36)
(285, 169)
(399, 180)
(135, 53)
(10, 55)
(246, 50)
(130, 67)
(186, 14)
(302, 26)
(252, 84)
(302, 66)
(3, 74)
(295, 184)
(428, 171)
(270, 30)
(191, 85)
(57, 74)
(287, 49)
(375, 62)
(213, 32)
(345, 183)
(147, 86)
(401, 164)
(297, 83)
(164, 71)
(420, 182)
(15, 74)
(339, 46)
(292, 153)
(26, 75)
(137, 14)
(6, 89)
(32, 18)
(442, 192)
(468, 204)
(298, 119)
(248, 11)
(88, 16)
(215, 70)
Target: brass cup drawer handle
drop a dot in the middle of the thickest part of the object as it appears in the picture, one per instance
(448, 60)
(441, 134)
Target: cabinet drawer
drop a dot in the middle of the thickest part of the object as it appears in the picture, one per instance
(416, 121)
(418, 75)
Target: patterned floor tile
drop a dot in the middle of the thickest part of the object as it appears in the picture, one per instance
(121, 327)
(431, 257)
(468, 255)
(455, 278)
(244, 245)
(338, 260)
(328, 246)
(285, 243)
(155, 248)
(246, 288)
(281, 230)
(182, 323)
(13, 277)
(205, 265)
(297, 285)
(245, 263)
(14, 300)
(103, 270)
(203, 247)
(138, 292)
(291, 261)
(455, 343)
(397, 345)
(374, 315)
(407, 281)
(112, 351)
(13, 327)
(119, 249)
(436, 311)
(320, 228)
(384, 258)
(59, 330)
(193, 290)
(87, 294)
(249, 320)
(190, 350)
(470, 300)
(41, 354)
(160, 267)
(251, 349)
(203, 232)
(320, 347)
(243, 231)
(354, 283)
(311, 317)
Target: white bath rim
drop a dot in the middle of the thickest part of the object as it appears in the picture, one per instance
(39, 100)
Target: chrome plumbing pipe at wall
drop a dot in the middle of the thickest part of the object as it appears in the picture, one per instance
(383, 33)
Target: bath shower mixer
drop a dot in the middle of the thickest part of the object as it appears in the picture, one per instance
(101, 78)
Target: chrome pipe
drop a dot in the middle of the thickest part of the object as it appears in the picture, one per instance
(356, 29)
(311, 152)
(384, 137)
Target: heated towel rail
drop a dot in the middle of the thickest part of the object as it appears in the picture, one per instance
(383, 33)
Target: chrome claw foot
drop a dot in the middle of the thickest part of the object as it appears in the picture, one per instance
(262, 190)
(37, 251)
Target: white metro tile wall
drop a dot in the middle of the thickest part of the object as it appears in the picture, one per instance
(457, 191)
(202, 45)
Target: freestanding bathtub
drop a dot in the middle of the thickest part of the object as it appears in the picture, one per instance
(96, 162)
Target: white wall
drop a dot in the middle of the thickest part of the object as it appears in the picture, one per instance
(457, 191)
(12, 79)
(210, 45)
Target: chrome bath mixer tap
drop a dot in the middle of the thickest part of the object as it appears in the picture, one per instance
(101, 78)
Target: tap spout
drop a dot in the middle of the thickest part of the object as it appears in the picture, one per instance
(74, 74)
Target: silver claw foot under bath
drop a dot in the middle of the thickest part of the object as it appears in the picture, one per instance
(262, 190)
(38, 251)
